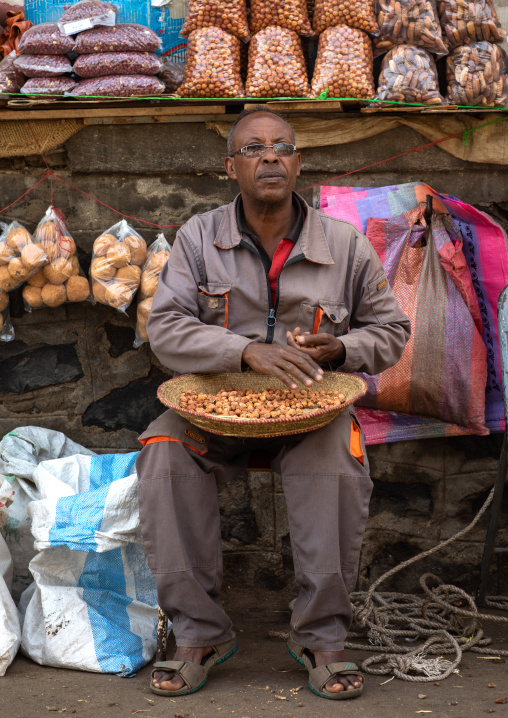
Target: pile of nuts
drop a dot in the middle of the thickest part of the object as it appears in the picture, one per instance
(228, 15)
(409, 74)
(344, 64)
(466, 22)
(291, 14)
(276, 65)
(213, 65)
(477, 75)
(412, 22)
(268, 404)
(353, 13)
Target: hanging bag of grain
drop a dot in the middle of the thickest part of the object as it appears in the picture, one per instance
(20, 256)
(87, 14)
(466, 22)
(360, 14)
(276, 65)
(477, 75)
(409, 74)
(228, 15)
(291, 14)
(117, 258)
(156, 257)
(344, 64)
(409, 22)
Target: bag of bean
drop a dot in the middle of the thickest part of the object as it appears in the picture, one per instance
(291, 14)
(62, 279)
(409, 22)
(43, 65)
(6, 328)
(276, 65)
(115, 272)
(213, 65)
(123, 37)
(45, 39)
(156, 257)
(48, 85)
(118, 86)
(229, 15)
(101, 64)
(466, 22)
(360, 14)
(20, 256)
(477, 75)
(86, 14)
(11, 77)
(171, 75)
(344, 64)
(409, 74)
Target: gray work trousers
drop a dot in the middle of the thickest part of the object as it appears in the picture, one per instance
(327, 493)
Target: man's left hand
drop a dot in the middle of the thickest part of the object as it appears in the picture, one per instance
(321, 347)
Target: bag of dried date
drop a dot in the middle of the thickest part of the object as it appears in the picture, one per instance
(43, 65)
(45, 39)
(48, 85)
(62, 279)
(291, 14)
(101, 64)
(229, 15)
(344, 64)
(466, 22)
(123, 37)
(86, 14)
(477, 75)
(408, 22)
(115, 272)
(20, 256)
(409, 74)
(171, 75)
(360, 14)
(276, 65)
(212, 68)
(156, 257)
(118, 86)
(11, 77)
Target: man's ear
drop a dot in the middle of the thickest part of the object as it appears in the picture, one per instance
(229, 164)
(299, 164)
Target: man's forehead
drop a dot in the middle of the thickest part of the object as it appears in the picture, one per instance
(263, 123)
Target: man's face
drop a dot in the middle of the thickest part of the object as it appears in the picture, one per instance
(268, 179)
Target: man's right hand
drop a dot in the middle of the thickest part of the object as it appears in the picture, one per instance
(284, 362)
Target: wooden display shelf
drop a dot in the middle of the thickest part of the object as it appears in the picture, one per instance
(155, 114)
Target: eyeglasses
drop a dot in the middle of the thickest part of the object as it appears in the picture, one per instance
(281, 149)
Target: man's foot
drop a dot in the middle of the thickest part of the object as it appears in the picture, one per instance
(171, 680)
(336, 684)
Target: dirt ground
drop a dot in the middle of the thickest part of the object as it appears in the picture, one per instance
(261, 680)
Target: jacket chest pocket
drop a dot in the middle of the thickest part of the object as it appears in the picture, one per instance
(213, 301)
(328, 317)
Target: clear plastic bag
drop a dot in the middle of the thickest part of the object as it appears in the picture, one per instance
(48, 85)
(117, 258)
(291, 14)
(62, 279)
(344, 64)
(6, 328)
(123, 37)
(118, 86)
(101, 64)
(20, 256)
(171, 75)
(276, 65)
(213, 65)
(156, 257)
(360, 14)
(11, 77)
(228, 15)
(43, 65)
(477, 75)
(87, 14)
(466, 22)
(45, 39)
(409, 22)
(409, 74)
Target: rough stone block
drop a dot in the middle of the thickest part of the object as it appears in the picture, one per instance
(25, 368)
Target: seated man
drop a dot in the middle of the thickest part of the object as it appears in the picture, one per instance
(266, 283)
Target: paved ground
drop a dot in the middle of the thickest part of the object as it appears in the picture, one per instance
(261, 680)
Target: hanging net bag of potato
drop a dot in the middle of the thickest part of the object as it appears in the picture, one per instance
(156, 257)
(21, 256)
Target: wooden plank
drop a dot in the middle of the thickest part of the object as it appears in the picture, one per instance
(124, 112)
(168, 119)
(299, 105)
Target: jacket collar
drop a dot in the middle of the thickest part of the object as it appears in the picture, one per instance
(312, 242)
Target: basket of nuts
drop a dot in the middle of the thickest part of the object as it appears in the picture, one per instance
(259, 405)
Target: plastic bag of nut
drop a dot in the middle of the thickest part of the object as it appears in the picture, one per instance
(477, 75)
(344, 64)
(213, 65)
(117, 258)
(11, 77)
(62, 279)
(171, 75)
(86, 14)
(276, 65)
(20, 256)
(360, 14)
(156, 257)
(291, 14)
(117, 63)
(48, 85)
(229, 15)
(466, 22)
(118, 86)
(409, 22)
(43, 65)
(45, 39)
(123, 37)
(409, 74)
(6, 328)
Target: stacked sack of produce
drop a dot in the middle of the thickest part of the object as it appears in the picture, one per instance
(11, 77)
(44, 60)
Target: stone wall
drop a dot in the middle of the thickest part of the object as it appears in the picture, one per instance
(74, 369)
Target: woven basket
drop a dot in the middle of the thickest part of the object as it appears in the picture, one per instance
(169, 393)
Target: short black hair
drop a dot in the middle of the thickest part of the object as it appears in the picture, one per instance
(251, 111)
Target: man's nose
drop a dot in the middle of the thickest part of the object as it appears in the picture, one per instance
(270, 157)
